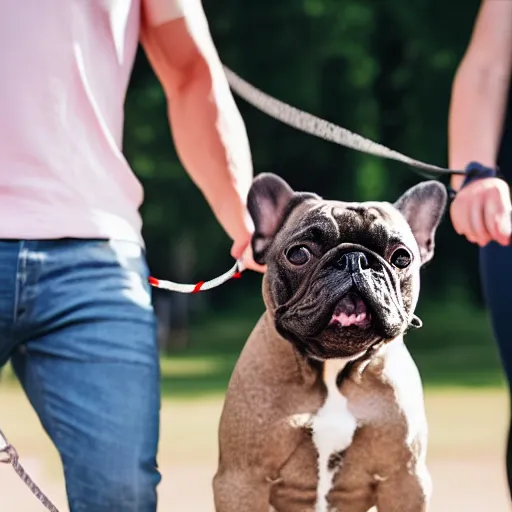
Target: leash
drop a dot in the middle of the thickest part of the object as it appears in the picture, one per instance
(9, 455)
(313, 125)
(235, 272)
(323, 129)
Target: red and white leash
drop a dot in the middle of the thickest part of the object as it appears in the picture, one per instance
(233, 273)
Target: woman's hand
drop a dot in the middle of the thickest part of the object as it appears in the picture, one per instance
(481, 211)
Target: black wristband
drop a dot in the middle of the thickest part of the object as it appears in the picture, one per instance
(475, 172)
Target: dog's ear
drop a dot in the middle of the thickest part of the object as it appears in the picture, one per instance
(270, 201)
(267, 201)
(423, 207)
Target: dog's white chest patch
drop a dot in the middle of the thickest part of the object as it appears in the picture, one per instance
(333, 430)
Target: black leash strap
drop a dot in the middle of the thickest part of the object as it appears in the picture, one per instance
(9, 455)
(325, 130)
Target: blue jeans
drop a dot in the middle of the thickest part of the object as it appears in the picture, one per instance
(496, 273)
(77, 322)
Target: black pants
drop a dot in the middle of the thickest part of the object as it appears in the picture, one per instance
(496, 273)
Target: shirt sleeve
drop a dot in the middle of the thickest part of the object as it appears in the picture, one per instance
(162, 11)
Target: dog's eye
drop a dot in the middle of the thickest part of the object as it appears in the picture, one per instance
(401, 258)
(298, 255)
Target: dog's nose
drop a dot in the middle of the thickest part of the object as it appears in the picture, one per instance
(353, 262)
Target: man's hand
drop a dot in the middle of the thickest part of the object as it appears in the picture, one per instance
(242, 250)
(481, 212)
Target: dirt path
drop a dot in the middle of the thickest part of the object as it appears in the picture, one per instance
(467, 438)
(461, 485)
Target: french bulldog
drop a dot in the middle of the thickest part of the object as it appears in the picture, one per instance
(324, 410)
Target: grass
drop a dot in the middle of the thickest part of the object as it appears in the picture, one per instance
(454, 348)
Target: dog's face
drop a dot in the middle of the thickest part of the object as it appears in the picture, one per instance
(341, 277)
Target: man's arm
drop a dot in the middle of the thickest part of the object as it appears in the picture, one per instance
(479, 98)
(207, 128)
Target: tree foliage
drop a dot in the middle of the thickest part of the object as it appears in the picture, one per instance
(381, 68)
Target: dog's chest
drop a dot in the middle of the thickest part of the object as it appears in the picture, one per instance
(356, 435)
(333, 428)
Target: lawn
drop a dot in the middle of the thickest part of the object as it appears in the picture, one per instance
(454, 348)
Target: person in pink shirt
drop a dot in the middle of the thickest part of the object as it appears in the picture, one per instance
(76, 317)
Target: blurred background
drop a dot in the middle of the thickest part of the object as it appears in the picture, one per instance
(382, 69)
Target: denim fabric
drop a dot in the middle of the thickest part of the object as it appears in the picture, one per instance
(496, 274)
(76, 319)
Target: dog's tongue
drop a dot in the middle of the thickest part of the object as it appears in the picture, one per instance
(351, 310)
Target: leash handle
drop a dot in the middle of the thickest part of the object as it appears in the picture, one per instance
(318, 127)
(234, 272)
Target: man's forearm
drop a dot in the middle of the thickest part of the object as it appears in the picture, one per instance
(208, 131)
(476, 116)
(212, 143)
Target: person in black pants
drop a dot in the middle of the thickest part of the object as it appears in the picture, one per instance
(480, 137)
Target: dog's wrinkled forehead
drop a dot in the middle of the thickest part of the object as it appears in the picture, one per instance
(330, 223)
(278, 213)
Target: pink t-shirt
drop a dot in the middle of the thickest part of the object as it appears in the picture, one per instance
(65, 68)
